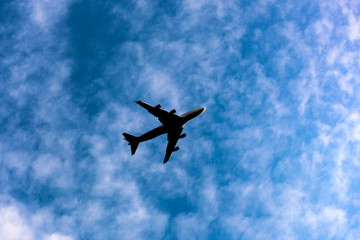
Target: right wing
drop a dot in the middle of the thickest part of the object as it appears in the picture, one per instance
(170, 149)
(173, 137)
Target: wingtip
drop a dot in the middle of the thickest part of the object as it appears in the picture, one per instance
(167, 156)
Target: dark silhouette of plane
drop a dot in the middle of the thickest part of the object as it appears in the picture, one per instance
(172, 124)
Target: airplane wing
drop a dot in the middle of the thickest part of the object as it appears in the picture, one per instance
(173, 137)
(164, 117)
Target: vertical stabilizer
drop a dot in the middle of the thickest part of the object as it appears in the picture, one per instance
(133, 142)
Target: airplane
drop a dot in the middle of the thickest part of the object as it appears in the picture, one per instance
(172, 124)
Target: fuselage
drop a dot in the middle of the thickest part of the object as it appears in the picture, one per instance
(192, 114)
(162, 129)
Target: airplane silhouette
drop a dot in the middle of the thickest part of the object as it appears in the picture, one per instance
(172, 124)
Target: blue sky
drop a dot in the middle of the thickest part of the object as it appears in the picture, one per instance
(276, 155)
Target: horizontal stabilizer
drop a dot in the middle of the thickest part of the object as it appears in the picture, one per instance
(133, 142)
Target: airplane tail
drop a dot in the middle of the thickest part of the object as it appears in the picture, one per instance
(133, 142)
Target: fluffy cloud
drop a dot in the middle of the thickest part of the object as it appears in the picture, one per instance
(275, 155)
(17, 223)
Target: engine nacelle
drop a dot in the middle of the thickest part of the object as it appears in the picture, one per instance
(176, 149)
(173, 111)
(158, 106)
(182, 135)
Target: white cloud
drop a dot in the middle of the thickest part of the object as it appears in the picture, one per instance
(333, 55)
(272, 91)
(18, 161)
(17, 223)
(286, 208)
(13, 226)
(194, 5)
(255, 205)
(335, 219)
(353, 28)
(139, 15)
(47, 12)
(48, 167)
(94, 212)
(323, 30)
(57, 236)
(308, 87)
(161, 86)
(190, 226)
(139, 218)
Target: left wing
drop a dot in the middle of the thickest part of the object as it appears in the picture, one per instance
(165, 117)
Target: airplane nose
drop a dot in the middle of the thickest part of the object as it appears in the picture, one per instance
(193, 113)
(200, 110)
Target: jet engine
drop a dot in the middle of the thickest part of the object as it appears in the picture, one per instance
(182, 135)
(176, 149)
(158, 106)
(173, 111)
